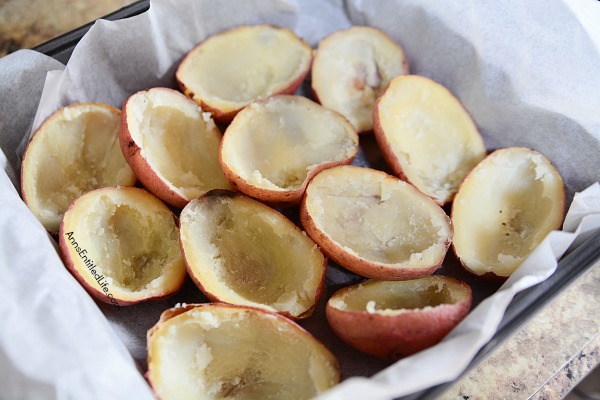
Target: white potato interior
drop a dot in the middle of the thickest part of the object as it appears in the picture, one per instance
(352, 68)
(179, 142)
(246, 253)
(433, 137)
(274, 144)
(395, 297)
(505, 208)
(222, 352)
(130, 237)
(377, 217)
(75, 150)
(236, 67)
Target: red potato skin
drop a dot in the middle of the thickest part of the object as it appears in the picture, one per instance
(315, 91)
(393, 337)
(225, 117)
(23, 191)
(386, 149)
(140, 166)
(175, 311)
(22, 174)
(492, 276)
(277, 198)
(359, 265)
(89, 287)
(215, 297)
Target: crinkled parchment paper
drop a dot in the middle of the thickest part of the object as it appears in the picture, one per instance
(526, 71)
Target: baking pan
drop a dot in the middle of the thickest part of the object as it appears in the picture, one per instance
(524, 305)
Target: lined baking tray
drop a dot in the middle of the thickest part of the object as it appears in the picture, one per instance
(524, 305)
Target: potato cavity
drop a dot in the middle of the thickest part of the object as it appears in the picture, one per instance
(396, 297)
(375, 224)
(352, 68)
(390, 320)
(427, 136)
(504, 209)
(242, 252)
(177, 142)
(274, 146)
(75, 150)
(229, 70)
(219, 352)
(128, 237)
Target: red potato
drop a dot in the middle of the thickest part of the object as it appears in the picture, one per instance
(350, 70)
(217, 351)
(275, 146)
(74, 151)
(121, 244)
(231, 69)
(240, 251)
(426, 136)
(503, 210)
(172, 146)
(374, 224)
(394, 319)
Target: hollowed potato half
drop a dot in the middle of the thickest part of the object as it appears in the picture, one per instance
(217, 351)
(393, 319)
(74, 151)
(241, 251)
(374, 224)
(426, 136)
(121, 244)
(275, 146)
(351, 69)
(172, 146)
(231, 69)
(503, 210)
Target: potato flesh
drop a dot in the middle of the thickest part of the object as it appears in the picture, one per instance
(132, 246)
(239, 355)
(76, 151)
(245, 254)
(506, 208)
(178, 141)
(351, 70)
(431, 134)
(396, 297)
(275, 145)
(377, 217)
(234, 68)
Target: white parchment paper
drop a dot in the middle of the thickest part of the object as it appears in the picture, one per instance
(526, 71)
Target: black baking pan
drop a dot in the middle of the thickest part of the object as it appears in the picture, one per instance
(524, 305)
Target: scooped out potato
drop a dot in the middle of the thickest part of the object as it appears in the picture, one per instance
(393, 319)
(216, 351)
(275, 146)
(121, 244)
(351, 69)
(374, 224)
(74, 151)
(172, 146)
(240, 251)
(503, 210)
(426, 136)
(229, 70)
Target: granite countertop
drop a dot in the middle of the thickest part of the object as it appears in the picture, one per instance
(28, 23)
(549, 355)
(544, 359)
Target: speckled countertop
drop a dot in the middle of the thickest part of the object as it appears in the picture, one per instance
(549, 355)
(27, 23)
(545, 359)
